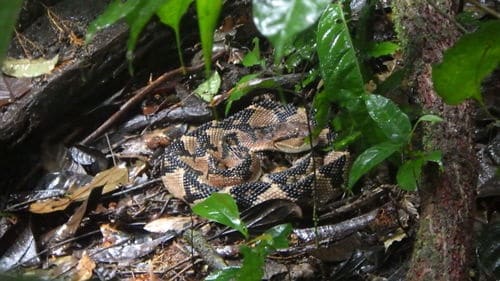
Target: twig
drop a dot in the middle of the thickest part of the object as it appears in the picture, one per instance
(485, 8)
(141, 94)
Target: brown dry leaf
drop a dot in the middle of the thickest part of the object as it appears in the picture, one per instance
(84, 269)
(50, 205)
(163, 225)
(111, 179)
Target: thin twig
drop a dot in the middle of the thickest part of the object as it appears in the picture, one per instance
(141, 94)
(485, 8)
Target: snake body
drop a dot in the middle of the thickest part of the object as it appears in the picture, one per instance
(225, 156)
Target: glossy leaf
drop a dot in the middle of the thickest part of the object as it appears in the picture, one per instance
(137, 19)
(208, 13)
(115, 11)
(467, 63)
(8, 16)
(171, 13)
(369, 159)
(207, 90)
(280, 21)
(221, 208)
(341, 73)
(338, 62)
(409, 174)
(394, 123)
(279, 235)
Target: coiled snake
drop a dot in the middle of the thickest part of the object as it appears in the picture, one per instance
(225, 156)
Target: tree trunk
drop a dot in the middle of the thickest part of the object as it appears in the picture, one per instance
(444, 246)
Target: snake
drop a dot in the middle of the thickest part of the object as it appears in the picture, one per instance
(227, 156)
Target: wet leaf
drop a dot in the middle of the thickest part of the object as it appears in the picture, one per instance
(115, 11)
(8, 16)
(171, 13)
(208, 13)
(208, 89)
(281, 21)
(369, 159)
(394, 123)
(279, 236)
(340, 71)
(21, 252)
(467, 63)
(28, 68)
(221, 208)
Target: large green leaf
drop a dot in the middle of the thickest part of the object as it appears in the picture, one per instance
(252, 268)
(115, 11)
(137, 19)
(221, 208)
(466, 64)
(394, 123)
(8, 16)
(280, 21)
(409, 173)
(170, 13)
(208, 14)
(338, 62)
(341, 73)
(369, 159)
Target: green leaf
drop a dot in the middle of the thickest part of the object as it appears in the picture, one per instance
(383, 49)
(434, 156)
(115, 11)
(240, 90)
(409, 174)
(467, 63)
(430, 118)
(171, 13)
(226, 274)
(369, 159)
(279, 235)
(208, 13)
(8, 16)
(208, 89)
(394, 123)
(340, 70)
(137, 19)
(252, 268)
(221, 208)
(280, 21)
(253, 57)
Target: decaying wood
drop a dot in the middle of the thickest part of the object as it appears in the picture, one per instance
(444, 246)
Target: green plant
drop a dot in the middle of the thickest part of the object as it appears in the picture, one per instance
(222, 208)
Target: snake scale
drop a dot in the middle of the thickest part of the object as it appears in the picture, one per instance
(226, 156)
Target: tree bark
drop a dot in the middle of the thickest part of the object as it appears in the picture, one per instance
(444, 244)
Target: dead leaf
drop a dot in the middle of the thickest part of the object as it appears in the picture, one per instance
(28, 68)
(163, 225)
